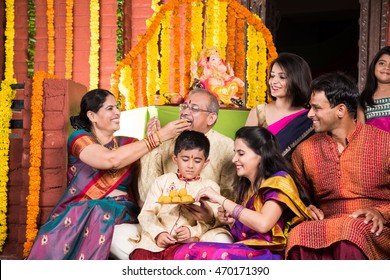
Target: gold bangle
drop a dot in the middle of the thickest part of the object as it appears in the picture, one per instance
(159, 136)
(152, 141)
(147, 144)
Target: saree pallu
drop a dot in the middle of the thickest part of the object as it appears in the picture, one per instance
(81, 225)
(251, 244)
(290, 130)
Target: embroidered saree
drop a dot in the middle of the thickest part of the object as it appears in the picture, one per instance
(290, 130)
(250, 244)
(81, 224)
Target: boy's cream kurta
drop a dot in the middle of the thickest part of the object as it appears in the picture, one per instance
(156, 218)
(220, 168)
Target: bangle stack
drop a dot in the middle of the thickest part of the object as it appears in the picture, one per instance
(151, 143)
(237, 211)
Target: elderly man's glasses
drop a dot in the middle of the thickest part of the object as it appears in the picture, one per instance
(194, 108)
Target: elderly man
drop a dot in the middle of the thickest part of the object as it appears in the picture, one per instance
(200, 109)
(344, 170)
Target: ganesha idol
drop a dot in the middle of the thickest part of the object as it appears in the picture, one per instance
(216, 79)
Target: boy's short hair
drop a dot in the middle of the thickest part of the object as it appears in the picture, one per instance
(189, 140)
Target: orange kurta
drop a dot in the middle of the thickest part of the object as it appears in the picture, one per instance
(341, 183)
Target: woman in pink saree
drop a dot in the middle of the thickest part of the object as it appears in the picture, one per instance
(286, 116)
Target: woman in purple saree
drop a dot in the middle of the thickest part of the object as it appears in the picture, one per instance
(101, 193)
(286, 116)
(267, 205)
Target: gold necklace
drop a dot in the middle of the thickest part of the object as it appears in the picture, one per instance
(113, 172)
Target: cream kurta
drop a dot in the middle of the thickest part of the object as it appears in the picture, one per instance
(156, 218)
(220, 168)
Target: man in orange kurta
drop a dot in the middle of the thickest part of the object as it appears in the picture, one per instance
(344, 170)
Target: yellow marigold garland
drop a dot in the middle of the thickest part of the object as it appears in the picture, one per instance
(50, 36)
(240, 53)
(211, 11)
(196, 32)
(7, 94)
(262, 70)
(196, 29)
(94, 7)
(126, 87)
(165, 55)
(69, 40)
(156, 5)
(152, 74)
(221, 28)
(34, 171)
(256, 58)
(251, 66)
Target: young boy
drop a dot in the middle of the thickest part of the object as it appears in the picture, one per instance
(167, 225)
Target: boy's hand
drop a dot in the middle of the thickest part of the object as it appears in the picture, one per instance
(164, 240)
(182, 233)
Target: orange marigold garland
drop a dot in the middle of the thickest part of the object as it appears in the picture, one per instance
(144, 68)
(231, 33)
(136, 76)
(240, 53)
(34, 171)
